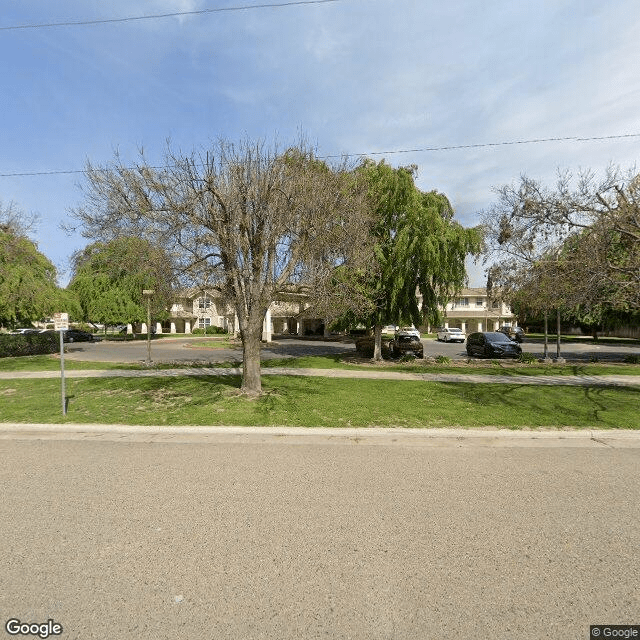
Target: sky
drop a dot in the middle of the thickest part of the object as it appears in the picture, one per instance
(400, 80)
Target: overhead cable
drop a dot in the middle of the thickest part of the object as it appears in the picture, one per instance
(157, 16)
(52, 172)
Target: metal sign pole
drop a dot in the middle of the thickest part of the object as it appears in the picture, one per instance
(64, 393)
(61, 323)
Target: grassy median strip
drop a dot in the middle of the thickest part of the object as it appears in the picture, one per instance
(52, 363)
(460, 367)
(327, 402)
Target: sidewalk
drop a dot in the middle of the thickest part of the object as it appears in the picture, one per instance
(572, 381)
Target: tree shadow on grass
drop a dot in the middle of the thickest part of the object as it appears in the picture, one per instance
(550, 406)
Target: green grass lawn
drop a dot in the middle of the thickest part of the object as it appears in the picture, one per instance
(300, 401)
(461, 367)
(52, 363)
(551, 337)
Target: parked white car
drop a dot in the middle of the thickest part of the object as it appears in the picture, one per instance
(410, 331)
(450, 334)
(389, 330)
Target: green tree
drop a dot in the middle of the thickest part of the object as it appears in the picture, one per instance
(419, 252)
(109, 277)
(28, 288)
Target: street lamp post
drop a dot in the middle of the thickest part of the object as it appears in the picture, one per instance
(148, 293)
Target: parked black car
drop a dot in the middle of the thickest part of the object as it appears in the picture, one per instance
(75, 335)
(492, 344)
(403, 343)
(515, 333)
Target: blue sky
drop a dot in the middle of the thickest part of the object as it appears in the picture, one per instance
(356, 76)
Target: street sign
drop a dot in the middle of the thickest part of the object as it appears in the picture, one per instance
(60, 321)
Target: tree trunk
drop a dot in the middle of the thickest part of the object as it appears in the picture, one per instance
(251, 347)
(377, 346)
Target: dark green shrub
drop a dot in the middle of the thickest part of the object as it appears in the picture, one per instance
(83, 326)
(31, 344)
(365, 347)
(632, 358)
(213, 330)
(197, 331)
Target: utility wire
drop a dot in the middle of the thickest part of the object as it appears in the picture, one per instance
(487, 144)
(78, 23)
(53, 172)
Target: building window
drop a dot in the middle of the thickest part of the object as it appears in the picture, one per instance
(203, 323)
(479, 302)
(462, 302)
(204, 303)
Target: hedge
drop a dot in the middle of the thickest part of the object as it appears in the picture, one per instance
(30, 344)
(211, 330)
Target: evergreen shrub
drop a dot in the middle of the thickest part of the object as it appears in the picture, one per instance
(30, 344)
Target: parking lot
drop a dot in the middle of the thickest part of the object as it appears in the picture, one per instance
(181, 349)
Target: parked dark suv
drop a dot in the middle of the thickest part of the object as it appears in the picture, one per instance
(75, 335)
(515, 333)
(492, 344)
(403, 343)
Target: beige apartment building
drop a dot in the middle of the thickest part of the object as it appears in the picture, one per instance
(471, 310)
(200, 308)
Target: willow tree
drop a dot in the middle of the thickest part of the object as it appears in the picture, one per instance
(419, 251)
(28, 288)
(244, 218)
(109, 278)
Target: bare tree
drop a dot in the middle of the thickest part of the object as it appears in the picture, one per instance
(16, 221)
(573, 247)
(245, 218)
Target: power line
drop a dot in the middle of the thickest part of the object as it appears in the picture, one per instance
(78, 23)
(54, 172)
(488, 144)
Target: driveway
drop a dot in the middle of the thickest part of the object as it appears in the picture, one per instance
(180, 350)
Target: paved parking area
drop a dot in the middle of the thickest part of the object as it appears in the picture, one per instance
(181, 350)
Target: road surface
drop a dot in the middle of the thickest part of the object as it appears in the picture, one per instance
(251, 535)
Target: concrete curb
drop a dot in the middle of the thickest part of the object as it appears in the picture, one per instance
(398, 436)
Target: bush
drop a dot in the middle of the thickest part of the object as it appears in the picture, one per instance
(31, 344)
(365, 347)
(443, 360)
(83, 326)
(632, 358)
(213, 330)
(197, 331)
(527, 358)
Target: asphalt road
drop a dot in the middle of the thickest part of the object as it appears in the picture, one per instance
(238, 538)
(180, 350)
